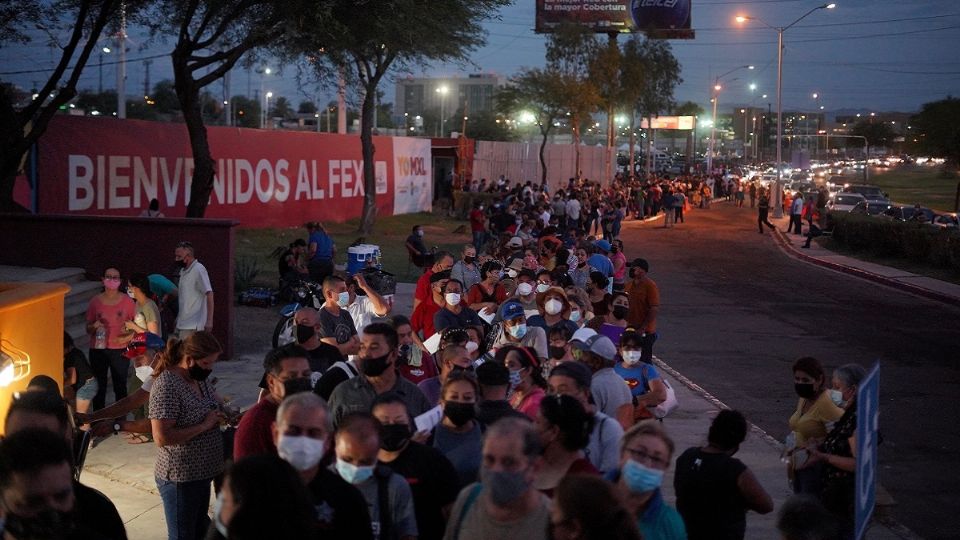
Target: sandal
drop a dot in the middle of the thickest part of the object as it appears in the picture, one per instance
(139, 438)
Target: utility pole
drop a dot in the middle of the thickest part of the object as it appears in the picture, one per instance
(122, 66)
(146, 77)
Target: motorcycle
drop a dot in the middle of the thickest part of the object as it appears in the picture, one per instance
(306, 294)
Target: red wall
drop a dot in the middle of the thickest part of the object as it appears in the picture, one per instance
(129, 244)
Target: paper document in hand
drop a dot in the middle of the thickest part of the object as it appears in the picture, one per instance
(428, 420)
(433, 343)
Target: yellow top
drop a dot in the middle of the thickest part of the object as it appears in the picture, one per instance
(813, 423)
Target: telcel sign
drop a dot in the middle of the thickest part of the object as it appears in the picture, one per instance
(668, 122)
(661, 19)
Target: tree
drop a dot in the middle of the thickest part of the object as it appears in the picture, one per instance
(307, 107)
(488, 126)
(82, 21)
(539, 92)
(246, 112)
(281, 109)
(212, 36)
(937, 129)
(877, 133)
(165, 97)
(604, 71)
(689, 108)
(366, 39)
(661, 76)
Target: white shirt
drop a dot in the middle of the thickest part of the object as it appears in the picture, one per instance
(362, 312)
(573, 209)
(545, 218)
(193, 288)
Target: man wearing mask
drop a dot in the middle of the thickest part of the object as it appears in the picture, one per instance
(336, 325)
(614, 322)
(453, 358)
(287, 372)
(526, 289)
(195, 296)
(443, 263)
(516, 332)
(389, 500)
(363, 308)
(646, 455)
(414, 363)
(453, 313)
(504, 504)
(417, 249)
(494, 381)
(321, 355)
(423, 316)
(377, 362)
(609, 391)
(430, 475)
(644, 297)
(301, 434)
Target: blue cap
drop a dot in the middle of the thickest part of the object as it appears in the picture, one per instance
(511, 310)
(602, 244)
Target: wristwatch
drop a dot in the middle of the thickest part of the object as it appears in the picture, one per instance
(116, 428)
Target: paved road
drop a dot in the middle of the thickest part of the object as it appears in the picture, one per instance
(737, 312)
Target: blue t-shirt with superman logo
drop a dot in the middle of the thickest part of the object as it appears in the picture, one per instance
(638, 377)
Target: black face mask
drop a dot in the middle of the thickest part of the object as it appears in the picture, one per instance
(459, 413)
(295, 386)
(557, 352)
(181, 263)
(804, 390)
(619, 312)
(394, 436)
(47, 525)
(304, 333)
(469, 260)
(197, 373)
(375, 366)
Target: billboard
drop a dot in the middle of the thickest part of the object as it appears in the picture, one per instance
(264, 178)
(669, 122)
(660, 19)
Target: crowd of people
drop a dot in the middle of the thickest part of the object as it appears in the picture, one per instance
(518, 399)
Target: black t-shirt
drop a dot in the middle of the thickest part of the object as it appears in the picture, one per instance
(434, 484)
(339, 327)
(491, 410)
(76, 359)
(94, 512)
(321, 360)
(708, 497)
(333, 377)
(341, 508)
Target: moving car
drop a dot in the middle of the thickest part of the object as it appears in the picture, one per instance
(844, 202)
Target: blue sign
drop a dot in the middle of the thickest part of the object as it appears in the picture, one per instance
(868, 420)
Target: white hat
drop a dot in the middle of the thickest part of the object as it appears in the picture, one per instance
(583, 334)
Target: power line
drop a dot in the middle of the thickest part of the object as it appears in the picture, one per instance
(97, 64)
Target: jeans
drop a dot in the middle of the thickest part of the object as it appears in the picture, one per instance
(678, 214)
(185, 507)
(646, 347)
(795, 224)
(479, 238)
(112, 360)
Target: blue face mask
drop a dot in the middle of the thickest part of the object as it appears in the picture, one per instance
(343, 299)
(354, 474)
(518, 331)
(639, 478)
(516, 376)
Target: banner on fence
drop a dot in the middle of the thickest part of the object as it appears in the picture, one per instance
(520, 161)
(413, 181)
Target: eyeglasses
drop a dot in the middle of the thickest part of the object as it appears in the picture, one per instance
(641, 455)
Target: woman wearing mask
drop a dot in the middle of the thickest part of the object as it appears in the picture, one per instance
(810, 422)
(526, 292)
(644, 459)
(185, 417)
(586, 508)
(645, 383)
(580, 271)
(614, 322)
(465, 270)
(619, 261)
(458, 435)
(107, 316)
(147, 318)
(554, 311)
(488, 293)
(580, 306)
(257, 490)
(526, 378)
(597, 293)
(837, 452)
(558, 347)
(564, 427)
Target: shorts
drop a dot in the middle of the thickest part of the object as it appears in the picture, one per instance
(88, 390)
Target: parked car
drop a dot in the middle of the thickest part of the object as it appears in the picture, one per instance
(907, 213)
(946, 221)
(844, 202)
(868, 192)
(870, 208)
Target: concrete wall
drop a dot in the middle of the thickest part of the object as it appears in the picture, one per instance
(129, 244)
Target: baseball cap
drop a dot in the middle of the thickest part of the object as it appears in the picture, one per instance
(511, 310)
(577, 371)
(493, 374)
(599, 345)
(141, 342)
(583, 334)
(515, 242)
(602, 244)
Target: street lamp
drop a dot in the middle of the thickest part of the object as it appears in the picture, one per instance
(716, 98)
(816, 98)
(266, 109)
(778, 194)
(442, 90)
(103, 51)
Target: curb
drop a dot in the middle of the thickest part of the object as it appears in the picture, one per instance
(787, 247)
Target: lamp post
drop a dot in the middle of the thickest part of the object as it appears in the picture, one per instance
(442, 90)
(778, 187)
(261, 71)
(716, 97)
(266, 110)
(104, 50)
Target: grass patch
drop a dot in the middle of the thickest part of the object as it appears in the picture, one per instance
(390, 233)
(910, 184)
(914, 267)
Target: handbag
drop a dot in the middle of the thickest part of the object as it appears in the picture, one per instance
(669, 405)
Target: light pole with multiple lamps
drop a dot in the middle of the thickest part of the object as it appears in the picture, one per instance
(778, 188)
(442, 90)
(716, 98)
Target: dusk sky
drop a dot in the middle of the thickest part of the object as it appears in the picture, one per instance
(881, 55)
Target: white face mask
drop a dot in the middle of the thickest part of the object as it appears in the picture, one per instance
(143, 372)
(552, 306)
(130, 294)
(452, 299)
(511, 273)
(542, 287)
(524, 289)
(343, 299)
(301, 452)
(472, 346)
(631, 357)
(836, 397)
(575, 316)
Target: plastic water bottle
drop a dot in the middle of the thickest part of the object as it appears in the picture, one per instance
(100, 338)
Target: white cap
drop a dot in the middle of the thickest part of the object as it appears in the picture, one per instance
(583, 334)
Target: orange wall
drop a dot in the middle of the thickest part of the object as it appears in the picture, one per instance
(31, 319)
